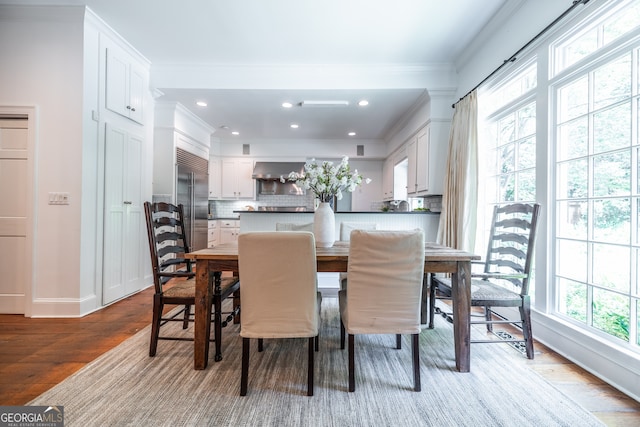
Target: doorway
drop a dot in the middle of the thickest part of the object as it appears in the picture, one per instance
(16, 209)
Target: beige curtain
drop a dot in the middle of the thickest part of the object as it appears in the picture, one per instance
(459, 201)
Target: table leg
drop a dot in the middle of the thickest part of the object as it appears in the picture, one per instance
(461, 299)
(202, 324)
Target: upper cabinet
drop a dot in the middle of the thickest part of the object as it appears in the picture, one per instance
(387, 178)
(124, 84)
(236, 179)
(419, 159)
(215, 187)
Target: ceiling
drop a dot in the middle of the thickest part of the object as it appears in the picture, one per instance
(246, 57)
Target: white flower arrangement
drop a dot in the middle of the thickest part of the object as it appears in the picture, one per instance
(326, 179)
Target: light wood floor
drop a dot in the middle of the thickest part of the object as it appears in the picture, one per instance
(36, 354)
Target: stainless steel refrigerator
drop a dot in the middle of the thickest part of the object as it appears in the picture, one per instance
(192, 191)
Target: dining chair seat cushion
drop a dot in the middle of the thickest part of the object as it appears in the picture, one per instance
(484, 290)
(385, 299)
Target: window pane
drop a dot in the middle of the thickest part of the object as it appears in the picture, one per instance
(611, 313)
(527, 121)
(612, 83)
(572, 299)
(573, 139)
(506, 129)
(574, 100)
(621, 23)
(612, 128)
(572, 179)
(612, 220)
(611, 267)
(507, 188)
(527, 153)
(507, 159)
(612, 174)
(572, 260)
(578, 48)
(526, 185)
(572, 219)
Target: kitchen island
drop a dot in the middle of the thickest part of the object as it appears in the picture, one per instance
(266, 220)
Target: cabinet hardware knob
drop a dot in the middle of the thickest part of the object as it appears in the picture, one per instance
(127, 202)
(133, 109)
(128, 107)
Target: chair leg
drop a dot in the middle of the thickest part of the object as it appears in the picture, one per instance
(432, 302)
(312, 341)
(217, 327)
(260, 344)
(342, 331)
(398, 341)
(487, 317)
(244, 376)
(415, 345)
(525, 314)
(155, 324)
(187, 313)
(317, 342)
(352, 364)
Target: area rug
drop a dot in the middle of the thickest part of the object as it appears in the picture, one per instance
(126, 387)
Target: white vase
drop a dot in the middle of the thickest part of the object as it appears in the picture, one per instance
(324, 226)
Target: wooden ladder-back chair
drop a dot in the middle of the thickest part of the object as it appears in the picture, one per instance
(386, 271)
(504, 281)
(278, 301)
(174, 275)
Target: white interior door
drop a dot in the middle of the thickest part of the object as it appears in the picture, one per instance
(15, 193)
(124, 232)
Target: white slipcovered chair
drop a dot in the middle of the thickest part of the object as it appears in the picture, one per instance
(345, 235)
(278, 301)
(386, 270)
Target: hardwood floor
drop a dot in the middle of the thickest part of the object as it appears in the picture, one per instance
(36, 354)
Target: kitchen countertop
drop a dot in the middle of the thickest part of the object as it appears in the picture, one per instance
(351, 212)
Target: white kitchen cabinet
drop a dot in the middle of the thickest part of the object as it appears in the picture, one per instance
(215, 187)
(213, 237)
(229, 230)
(125, 236)
(387, 178)
(418, 169)
(236, 179)
(125, 82)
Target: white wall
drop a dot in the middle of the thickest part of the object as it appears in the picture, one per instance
(42, 66)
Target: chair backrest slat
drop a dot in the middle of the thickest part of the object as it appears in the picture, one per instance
(167, 240)
(511, 241)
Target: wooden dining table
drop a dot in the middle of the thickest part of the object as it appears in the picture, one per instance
(437, 259)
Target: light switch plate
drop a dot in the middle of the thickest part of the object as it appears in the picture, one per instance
(56, 198)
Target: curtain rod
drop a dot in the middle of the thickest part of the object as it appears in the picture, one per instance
(513, 57)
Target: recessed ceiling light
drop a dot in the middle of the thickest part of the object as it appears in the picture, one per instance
(287, 105)
(201, 104)
(352, 134)
(294, 126)
(235, 132)
(363, 103)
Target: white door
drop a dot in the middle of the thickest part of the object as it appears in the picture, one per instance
(15, 193)
(124, 233)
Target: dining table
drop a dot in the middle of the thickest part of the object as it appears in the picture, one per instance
(437, 259)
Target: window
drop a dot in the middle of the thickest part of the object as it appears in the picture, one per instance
(589, 100)
(596, 199)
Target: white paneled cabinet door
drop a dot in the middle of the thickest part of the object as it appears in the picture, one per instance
(236, 179)
(124, 238)
(125, 85)
(15, 191)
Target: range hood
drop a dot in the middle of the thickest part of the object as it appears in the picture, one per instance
(272, 171)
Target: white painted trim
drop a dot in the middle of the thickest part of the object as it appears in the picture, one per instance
(613, 364)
